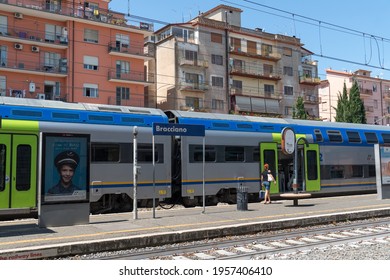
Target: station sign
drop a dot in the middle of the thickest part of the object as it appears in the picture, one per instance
(172, 129)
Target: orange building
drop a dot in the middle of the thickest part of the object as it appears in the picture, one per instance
(75, 51)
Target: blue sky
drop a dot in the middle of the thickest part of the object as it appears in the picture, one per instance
(343, 34)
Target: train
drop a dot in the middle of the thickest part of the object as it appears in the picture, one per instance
(334, 158)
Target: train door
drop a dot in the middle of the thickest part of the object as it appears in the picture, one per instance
(312, 167)
(269, 154)
(18, 186)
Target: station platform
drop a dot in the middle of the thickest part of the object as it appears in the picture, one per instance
(24, 239)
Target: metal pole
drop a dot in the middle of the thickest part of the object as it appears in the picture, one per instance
(135, 172)
(154, 180)
(295, 180)
(203, 167)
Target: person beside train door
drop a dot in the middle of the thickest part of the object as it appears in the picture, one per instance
(266, 179)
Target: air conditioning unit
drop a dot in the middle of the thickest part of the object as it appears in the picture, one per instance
(34, 49)
(18, 46)
(18, 15)
(41, 96)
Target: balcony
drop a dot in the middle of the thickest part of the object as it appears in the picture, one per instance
(33, 37)
(132, 77)
(307, 80)
(191, 62)
(264, 56)
(32, 67)
(366, 91)
(124, 50)
(310, 99)
(258, 93)
(254, 72)
(193, 87)
(62, 10)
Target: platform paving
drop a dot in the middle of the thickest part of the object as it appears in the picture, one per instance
(24, 239)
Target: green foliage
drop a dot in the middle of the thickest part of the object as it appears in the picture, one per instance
(350, 108)
(299, 109)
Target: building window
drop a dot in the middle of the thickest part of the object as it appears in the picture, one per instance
(269, 90)
(235, 44)
(287, 70)
(217, 59)
(91, 35)
(217, 104)
(194, 102)
(268, 69)
(123, 93)
(216, 38)
(217, 81)
(288, 90)
(191, 55)
(266, 49)
(3, 85)
(91, 90)
(237, 87)
(91, 62)
(288, 111)
(251, 47)
(287, 51)
(52, 60)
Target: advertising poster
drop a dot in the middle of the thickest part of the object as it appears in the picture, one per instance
(385, 164)
(65, 168)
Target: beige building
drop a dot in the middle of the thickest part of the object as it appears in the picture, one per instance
(213, 64)
(374, 92)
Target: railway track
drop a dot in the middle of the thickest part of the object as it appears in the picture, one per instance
(266, 244)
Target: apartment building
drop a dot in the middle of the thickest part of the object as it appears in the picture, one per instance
(374, 91)
(213, 64)
(75, 51)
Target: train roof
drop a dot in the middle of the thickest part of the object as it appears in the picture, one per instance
(236, 122)
(50, 110)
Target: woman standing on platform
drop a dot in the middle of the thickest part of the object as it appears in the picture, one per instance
(266, 179)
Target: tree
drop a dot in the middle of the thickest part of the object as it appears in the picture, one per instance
(350, 108)
(342, 110)
(299, 109)
(358, 112)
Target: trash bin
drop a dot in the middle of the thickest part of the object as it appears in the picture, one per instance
(242, 198)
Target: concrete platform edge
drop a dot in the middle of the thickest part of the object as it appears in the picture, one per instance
(140, 241)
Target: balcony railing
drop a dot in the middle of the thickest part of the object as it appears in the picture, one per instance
(193, 62)
(309, 80)
(260, 93)
(131, 76)
(74, 9)
(16, 65)
(124, 49)
(255, 72)
(187, 86)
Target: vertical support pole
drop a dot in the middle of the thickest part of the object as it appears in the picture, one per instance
(154, 179)
(135, 172)
(203, 168)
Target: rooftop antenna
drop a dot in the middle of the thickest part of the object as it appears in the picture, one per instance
(128, 8)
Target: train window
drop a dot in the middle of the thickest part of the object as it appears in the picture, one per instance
(256, 154)
(357, 171)
(26, 113)
(132, 120)
(337, 172)
(100, 118)
(386, 138)
(243, 125)
(220, 124)
(371, 137)
(312, 166)
(354, 137)
(318, 135)
(335, 136)
(105, 152)
(234, 153)
(23, 168)
(145, 153)
(196, 153)
(66, 116)
(2, 167)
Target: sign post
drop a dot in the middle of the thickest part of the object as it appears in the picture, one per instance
(175, 129)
